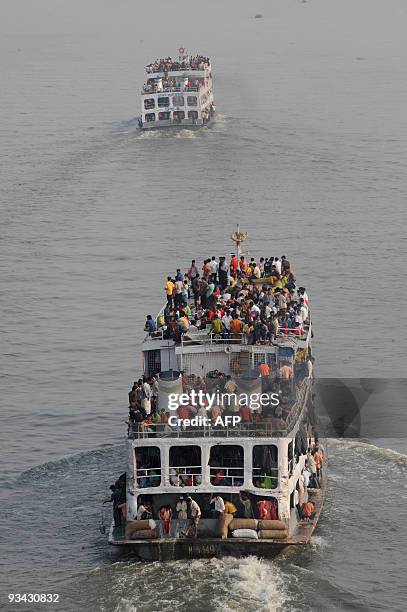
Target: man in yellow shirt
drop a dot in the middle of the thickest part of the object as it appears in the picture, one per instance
(230, 508)
(217, 326)
(169, 288)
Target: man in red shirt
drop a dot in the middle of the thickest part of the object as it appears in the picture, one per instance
(234, 264)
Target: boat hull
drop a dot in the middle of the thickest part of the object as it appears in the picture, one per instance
(169, 550)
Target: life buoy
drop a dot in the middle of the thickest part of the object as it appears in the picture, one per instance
(228, 349)
(181, 50)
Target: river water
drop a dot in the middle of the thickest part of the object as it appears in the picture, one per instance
(308, 153)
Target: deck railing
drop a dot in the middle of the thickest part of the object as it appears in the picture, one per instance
(152, 89)
(148, 477)
(179, 475)
(234, 475)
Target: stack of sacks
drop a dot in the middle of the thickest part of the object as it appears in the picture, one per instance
(272, 530)
(141, 530)
(244, 528)
(224, 521)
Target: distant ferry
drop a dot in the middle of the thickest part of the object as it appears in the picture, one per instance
(178, 92)
(209, 478)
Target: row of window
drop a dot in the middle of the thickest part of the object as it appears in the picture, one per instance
(164, 101)
(226, 466)
(166, 115)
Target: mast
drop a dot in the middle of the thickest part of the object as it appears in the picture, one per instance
(238, 237)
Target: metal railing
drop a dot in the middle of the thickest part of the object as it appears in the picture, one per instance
(148, 477)
(231, 476)
(260, 429)
(179, 476)
(161, 68)
(260, 475)
(153, 89)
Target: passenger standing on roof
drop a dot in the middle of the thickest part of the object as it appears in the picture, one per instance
(169, 290)
(179, 275)
(285, 265)
(223, 272)
(179, 286)
(214, 270)
(277, 265)
(193, 271)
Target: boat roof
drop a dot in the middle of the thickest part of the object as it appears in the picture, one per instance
(185, 62)
(261, 293)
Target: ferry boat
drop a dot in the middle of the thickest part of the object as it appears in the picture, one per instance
(177, 93)
(249, 469)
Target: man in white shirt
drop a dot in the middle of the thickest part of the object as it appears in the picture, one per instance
(306, 475)
(277, 264)
(195, 513)
(226, 319)
(255, 310)
(146, 394)
(303, 311)
(219, 505)
(214, 269)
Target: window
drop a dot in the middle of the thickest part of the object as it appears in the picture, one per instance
(163, 116)
(265, 466)
(185, 466)
(163, 102)
(192, 114)
(149, 103)
(178, 115)
(152, 362)
(192, 100)
(226, 465)
(148, 466)
(150, 117)
(178, 101)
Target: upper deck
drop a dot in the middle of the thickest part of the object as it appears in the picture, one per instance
(186, 64)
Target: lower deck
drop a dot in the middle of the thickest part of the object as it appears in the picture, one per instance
(176, 123)
(169, 548)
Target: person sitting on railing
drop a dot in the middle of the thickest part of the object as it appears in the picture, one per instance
(150, 325)
(236, 326)
(260, 331)
(183, 323)
(217, 326)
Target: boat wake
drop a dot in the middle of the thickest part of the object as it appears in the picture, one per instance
(229, 583)
(386, 454)
(96, 459)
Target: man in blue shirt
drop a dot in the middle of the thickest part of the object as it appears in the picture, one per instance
(150, 325)
(179, 276)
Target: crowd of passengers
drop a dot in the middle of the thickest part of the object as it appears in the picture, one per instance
(171, 84)
(145, 414)
(229, 300)
(197, 62)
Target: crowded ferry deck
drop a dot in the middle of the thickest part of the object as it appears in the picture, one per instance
(223, 456)
(177, 92)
